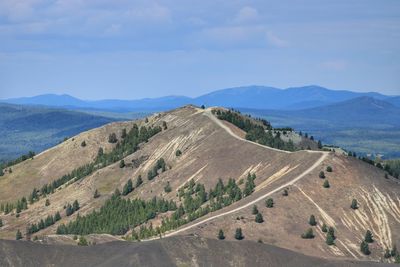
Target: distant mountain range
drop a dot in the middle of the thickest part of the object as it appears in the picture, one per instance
(255, 97)
(364, 124)
(25, 128)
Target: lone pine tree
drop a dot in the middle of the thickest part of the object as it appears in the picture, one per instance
(269, 203)
(354, 204)
(221, 235)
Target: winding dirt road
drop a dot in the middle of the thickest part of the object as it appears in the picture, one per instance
(248, 204)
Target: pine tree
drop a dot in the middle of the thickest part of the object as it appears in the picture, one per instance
(285, 192)
(326, 184)
(331, 231)
(259, 218)
(122, 164)
(69, 210)
(368, 237)
(18, 235)
(354, 204)
(83, 144)
(269, 203)
(365, 248)
(330, 240)
(239, 234)
(57, 216)
(96, 194)
(112, 138)
(324, 228)
(329, 169)
(47, 203)
(128, 187)
(139, 181)
(75, 205)
(221, 235)
(178, 153)
(167, 188)
(308, 234)
(387, 254)
(312, 220)
(123, 134)
(321, 175)
(254, 210)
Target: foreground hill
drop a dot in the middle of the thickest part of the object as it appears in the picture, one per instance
(207, 175)
(364, 124)
(25, 128)
(164, 252)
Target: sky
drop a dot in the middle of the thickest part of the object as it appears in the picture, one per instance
(129, 49)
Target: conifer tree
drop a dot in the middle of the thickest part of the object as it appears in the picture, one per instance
(221, 235)
(139, 181)
(259, 218)
(394, 252)
(96, 194)
(324, 228)
(329, 169)
(47, 203)
(326, 184)
(122, 164)
(57, 216)
(330, 240)
(128, 187)
(365, 248)
(254, 211)
(75, 205)
(321, 175)
(269, 203)
(308, 234)
(368, 237)
(354, 204)
(239, 234)
(312, 220)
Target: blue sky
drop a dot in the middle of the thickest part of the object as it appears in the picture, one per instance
(96, 49)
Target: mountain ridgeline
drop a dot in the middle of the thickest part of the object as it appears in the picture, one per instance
(208, 172)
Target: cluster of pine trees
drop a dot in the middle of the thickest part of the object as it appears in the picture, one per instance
(262, 134)
(196, 202)
(117, 216)
(42, 224)
(160, 165)
(128, 145)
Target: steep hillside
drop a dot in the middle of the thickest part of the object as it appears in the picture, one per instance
(182, 164)
(26, 128)
(165, 252)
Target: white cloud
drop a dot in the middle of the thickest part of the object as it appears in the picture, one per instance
(247, 14)
(275, 40)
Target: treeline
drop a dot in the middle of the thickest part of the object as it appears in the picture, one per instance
(260, 133)
(128, 145)
(22, 158)
(117, 216)
(392, 167)
(42, 224)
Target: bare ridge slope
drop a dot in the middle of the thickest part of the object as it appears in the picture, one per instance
(197, 150)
